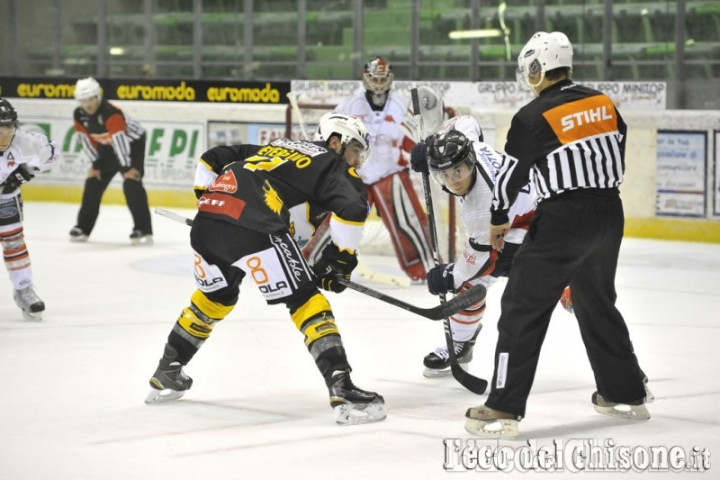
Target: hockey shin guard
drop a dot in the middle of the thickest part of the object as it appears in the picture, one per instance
(195, 324)
(315, 320)
(17, 259)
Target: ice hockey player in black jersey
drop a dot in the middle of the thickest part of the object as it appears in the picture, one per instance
(251, 221)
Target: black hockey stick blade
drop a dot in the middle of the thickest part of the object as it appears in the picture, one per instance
(444, 310)
(474, 384)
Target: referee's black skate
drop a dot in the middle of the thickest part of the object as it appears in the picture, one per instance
(437, 363)
(138, 237)
(628, 411)
(169, 382)
(77, 235)
(352, 405)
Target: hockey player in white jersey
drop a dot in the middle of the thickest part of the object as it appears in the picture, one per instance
(465, 166)
(22, 155)
(386, 172)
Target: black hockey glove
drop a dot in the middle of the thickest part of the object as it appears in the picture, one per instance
(440, 279)
(334, 263)
(418, 158)
(16, 177)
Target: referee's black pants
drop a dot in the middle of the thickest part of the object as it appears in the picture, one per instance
(574, 240)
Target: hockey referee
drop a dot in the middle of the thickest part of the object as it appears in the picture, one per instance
(572, 139)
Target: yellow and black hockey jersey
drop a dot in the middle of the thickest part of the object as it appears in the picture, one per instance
(257, 186)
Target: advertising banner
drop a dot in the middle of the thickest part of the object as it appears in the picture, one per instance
(172, 151)
(681, 177)
(217, 91)
(485, 95)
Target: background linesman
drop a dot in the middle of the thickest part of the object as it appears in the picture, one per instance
(114, 142)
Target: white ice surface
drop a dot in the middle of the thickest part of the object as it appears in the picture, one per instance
(72, 386)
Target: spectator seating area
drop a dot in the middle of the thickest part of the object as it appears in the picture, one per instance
(643, 39)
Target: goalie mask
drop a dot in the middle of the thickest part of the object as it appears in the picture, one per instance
(542, 53)
(377, 80)
(352, 133)
(451, 160)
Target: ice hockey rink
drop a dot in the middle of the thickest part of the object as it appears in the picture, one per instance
(72, 386)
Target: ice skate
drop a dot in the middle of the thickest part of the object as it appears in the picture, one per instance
(352, 405)
(628, 411)
(77, 235)
(138, 237)
(29, 302)
(488, 422)
(437, 363)
(169, 382)
(649, 397)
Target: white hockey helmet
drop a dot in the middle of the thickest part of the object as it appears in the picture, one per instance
(378, 76)
(346, 127)
(87, 88)
(542, 53)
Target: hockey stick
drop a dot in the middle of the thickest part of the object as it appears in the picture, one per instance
(443, 310)
(472, 383)
(296, 108)
(440, 312)
(173, 216)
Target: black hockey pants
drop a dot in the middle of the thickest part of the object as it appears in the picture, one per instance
(134, 191)
(573, 240)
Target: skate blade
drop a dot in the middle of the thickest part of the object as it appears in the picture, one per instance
(82, 239)
(649, 397)
(349, 414)
(155, 397)
(445, 372)
(497, 428)
(626, 412)
(146, 240)
(33, 316)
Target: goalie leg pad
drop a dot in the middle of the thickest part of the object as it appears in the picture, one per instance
(406, 222)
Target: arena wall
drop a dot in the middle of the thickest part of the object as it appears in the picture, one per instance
(169, 178)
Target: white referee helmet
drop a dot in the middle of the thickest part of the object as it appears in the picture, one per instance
(542, 53)
(87, 88)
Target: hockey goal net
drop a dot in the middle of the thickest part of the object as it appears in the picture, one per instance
(376, 239)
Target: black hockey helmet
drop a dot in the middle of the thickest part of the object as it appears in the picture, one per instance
(447, 149)
(8, 115)
(451, 159)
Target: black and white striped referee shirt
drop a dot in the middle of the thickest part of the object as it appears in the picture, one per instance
(571, 137)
